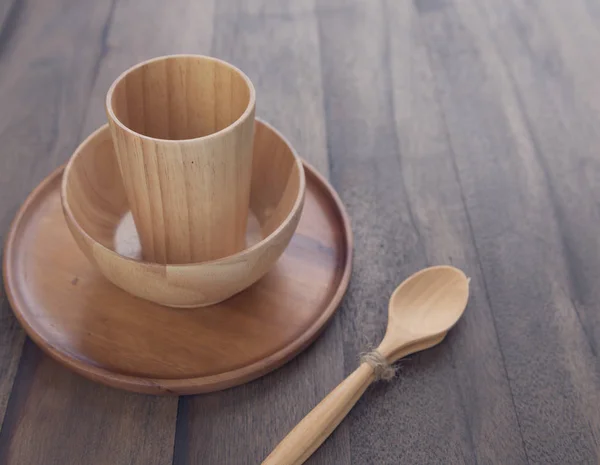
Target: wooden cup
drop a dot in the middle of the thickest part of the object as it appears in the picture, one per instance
(183, 129)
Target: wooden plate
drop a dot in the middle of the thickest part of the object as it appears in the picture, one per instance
(75, 315)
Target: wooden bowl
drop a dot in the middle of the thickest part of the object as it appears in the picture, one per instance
(98, 215)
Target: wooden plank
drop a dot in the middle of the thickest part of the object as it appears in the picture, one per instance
(407, 213)
(58, 418)
(500, 177)
(55, 416)
(552, 68)
(10, 11)
(518, 229)
(141, 32)
(11, 343)
(276, 44)
(550, 60)
(436, 199)
(44, 83)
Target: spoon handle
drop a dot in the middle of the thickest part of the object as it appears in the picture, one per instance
(320, 422)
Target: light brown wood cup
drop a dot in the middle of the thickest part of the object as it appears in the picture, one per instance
(182, 126)
(96, 208)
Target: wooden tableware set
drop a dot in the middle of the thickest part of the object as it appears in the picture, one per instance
(186, 248)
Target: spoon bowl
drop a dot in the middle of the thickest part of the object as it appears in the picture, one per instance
(425, 305)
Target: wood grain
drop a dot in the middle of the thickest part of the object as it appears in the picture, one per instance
(48, 62)
(562, 120)
(94, 198)
(457, 132)
(276, 43)
(39, 125)
(546, 351)
(97, 424)
(133, 38)
(562, 115)
(368, 173)
(445, 232)
(9, 15)
(183, 128)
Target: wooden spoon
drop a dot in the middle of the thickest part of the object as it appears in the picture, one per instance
(421, 311)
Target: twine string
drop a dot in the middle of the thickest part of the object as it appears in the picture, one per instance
(382, 369)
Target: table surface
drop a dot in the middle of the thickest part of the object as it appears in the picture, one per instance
(460, 132)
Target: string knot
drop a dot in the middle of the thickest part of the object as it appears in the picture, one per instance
(379, 364)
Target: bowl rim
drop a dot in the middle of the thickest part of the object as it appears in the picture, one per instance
(243, 117)
(238, 256)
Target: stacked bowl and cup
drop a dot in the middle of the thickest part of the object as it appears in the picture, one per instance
(183, 198)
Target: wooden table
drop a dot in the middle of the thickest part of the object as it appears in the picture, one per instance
(463, 132)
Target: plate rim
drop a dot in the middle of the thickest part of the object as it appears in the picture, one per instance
(178, 386)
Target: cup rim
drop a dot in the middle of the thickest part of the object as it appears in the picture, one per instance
(223, 260)
(243, 117)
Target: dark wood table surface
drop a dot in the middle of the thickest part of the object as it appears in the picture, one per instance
(462, 132)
